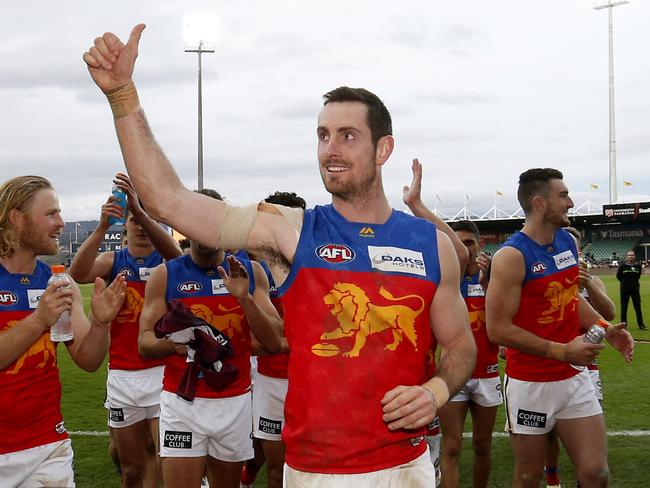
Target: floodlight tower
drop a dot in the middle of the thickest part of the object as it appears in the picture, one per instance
(612, 127)
(200, 33)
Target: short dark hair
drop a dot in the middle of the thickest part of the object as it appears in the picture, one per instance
(378, 117)
(210, 193)
(287, 199)
(184, 243)
(533, 183)
(467, 225)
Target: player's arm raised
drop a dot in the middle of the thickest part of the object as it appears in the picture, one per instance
(412, 196)
(410, 407)
(502, 303)
(110, 64)
(162, 241)
(87, 265)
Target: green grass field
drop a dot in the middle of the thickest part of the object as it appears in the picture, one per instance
(626, 391)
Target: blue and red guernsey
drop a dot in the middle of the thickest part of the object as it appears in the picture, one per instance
(548, 306)
(356, 311)
(30, 390)
(123, 352)
(204, 293)
(487, 362)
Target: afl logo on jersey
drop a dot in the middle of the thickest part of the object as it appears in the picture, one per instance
(335, 253)
(125, 272)
(190, 287)
(8, 298)
(538, 267)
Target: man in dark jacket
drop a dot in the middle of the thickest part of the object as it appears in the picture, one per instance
(629, 274)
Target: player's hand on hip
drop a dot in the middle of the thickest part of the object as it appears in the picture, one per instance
(110, 62)
(408, 407)
(581, 352)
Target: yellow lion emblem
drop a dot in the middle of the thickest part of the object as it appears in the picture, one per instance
(43, 345)
(359, 318)
(132, 306)
(559, 298)
(229, 323)
(476, 318)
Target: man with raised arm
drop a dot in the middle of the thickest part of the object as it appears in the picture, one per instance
(364, 287)
(134, 383)
(34, 446)
(533, 307)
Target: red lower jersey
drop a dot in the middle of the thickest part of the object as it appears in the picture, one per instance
(356, 310)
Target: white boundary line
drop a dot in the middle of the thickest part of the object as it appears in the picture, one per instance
(467, 435)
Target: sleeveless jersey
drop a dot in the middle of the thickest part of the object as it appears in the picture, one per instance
(356, 311)
(273, 365)
(487, 362)
(123, 352)
(204, 293)
(30, 390)
(549, 304)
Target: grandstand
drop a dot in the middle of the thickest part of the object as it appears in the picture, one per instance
(606, 236)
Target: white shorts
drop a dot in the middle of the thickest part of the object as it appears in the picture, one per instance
(594, 374)
(434, 451)
(215, 427)
(46, 465)
(418, 473)
(132, 396)
(534, 407)
(268, 407)
(483, 391)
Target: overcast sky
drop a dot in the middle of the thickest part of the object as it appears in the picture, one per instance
(479, 91)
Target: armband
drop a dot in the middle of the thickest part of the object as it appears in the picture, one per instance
(603, 323)
(236, 227)
(438, 387)
(123, 100)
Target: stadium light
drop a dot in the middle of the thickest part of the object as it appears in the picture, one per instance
(612, 128)
(200, 32)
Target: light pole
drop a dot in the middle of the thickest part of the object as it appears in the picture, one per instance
(612, 127)
(200, 33)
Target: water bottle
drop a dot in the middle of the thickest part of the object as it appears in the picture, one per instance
(596, 334)
(62, 330)
(121, 201)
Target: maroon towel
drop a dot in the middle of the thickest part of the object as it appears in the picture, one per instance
(209, 344)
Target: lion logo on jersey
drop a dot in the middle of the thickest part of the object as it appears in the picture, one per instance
(476, 318)
(559, 298)
(132, 306)
(43, 345)
(359, 318)
(228, 323)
